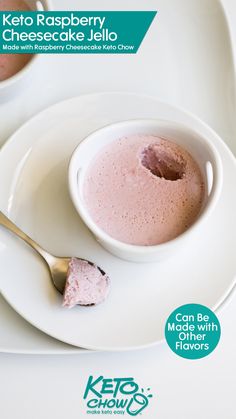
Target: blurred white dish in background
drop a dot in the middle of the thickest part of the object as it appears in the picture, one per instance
(15, 67)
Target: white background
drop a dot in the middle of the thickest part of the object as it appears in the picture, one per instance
(39, 387)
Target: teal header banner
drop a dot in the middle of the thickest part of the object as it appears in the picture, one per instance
(73, 32)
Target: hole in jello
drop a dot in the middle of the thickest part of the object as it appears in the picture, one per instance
(11, 64)
(161, 163)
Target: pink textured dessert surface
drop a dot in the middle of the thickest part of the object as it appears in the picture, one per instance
(85, 284)
(10, 64)
(143, 190)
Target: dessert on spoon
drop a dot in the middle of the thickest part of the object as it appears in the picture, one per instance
(78, 280)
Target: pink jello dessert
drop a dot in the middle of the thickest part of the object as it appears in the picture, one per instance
(11, 64)
(86, 284)
(143, 190)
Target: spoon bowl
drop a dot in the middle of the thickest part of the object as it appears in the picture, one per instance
(58, 269)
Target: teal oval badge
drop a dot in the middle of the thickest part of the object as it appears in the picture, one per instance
(192, 331)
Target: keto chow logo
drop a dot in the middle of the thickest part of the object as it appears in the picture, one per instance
(115, 396)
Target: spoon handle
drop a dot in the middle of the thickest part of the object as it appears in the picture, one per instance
(5, 222)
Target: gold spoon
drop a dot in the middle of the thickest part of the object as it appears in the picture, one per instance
(58, 266)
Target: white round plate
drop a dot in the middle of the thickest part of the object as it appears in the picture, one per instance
(34, 193)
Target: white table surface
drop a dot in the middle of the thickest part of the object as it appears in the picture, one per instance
(41, 387)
